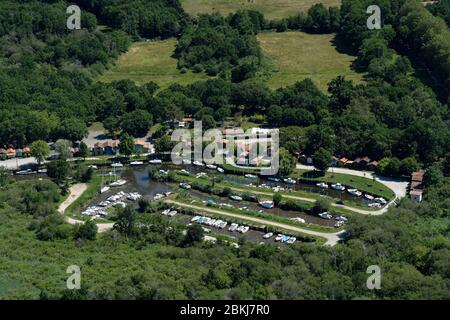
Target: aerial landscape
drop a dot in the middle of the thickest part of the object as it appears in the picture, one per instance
(224, 150)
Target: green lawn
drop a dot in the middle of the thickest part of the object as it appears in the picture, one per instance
(91, 192)
(361, 183)
(298, 55)
(150, 61)
(272, 9)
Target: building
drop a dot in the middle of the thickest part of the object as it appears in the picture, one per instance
(110, 147)
(143, 147)
(415, 187)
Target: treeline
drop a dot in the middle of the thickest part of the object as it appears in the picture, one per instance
(35, 32)
(407, 27)
(221, 46)
(440, 9)
(140, 18)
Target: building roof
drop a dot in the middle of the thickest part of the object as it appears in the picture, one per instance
(143, 143)
(417, 176)
(109, 143)
(416, 192)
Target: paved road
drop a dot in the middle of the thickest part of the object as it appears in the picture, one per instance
(75, 192)
(331, 238)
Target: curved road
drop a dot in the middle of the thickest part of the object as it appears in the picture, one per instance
(75, 192)
(397, 186)
(331, 238)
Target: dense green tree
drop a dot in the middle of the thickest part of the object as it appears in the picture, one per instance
(85, 231)
(322, 159)
(126, 146)
(137, 123)
(40, 150)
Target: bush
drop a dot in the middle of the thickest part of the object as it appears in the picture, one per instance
(86, 231)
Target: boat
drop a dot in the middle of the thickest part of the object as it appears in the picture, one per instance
(322, 185)
(279, 237)
(381, 201)
(104, 189)
(118, 183)
(268, 204)
(338, 186)
(374, 205)
(25, 172)
(291, 240)
(186, 161)
(289, 181)
(233, 227)
(166, 212)
(274, 179)
(136, 163)
(134, 196)
(245, 229)
(251, 176)
(116, 165)
(355, 192)
(325, 215)
(155, 161)
(236, 198)
(158, 196)
(185, 186)
(211, 166)
(42, 171)
(298, 219)
(198, 163)
(220, 170)
(268, 235)
(369, 197)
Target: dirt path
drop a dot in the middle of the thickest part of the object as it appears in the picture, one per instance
(75, 192)
(332, 238)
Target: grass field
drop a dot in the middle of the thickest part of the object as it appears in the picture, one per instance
(272, 9)
(299, 55)
(150, 61)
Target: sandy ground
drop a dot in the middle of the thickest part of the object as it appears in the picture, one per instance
(332, 238)
(75, 192)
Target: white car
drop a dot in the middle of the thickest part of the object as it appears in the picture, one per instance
(268, 235)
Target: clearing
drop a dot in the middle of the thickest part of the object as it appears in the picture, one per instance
(298, 55)
(150, 61)
(272, 9)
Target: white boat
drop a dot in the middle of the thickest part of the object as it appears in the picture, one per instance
(268, 235)
(369, 197)
(42, 171)
(158, 196)
(166, 212)
(185, 186)
(325, 215)
(104, 189)
(92, 166)
(155, 161)
(339, 224)
(186, 161)
(118, 183)
(172, 213)
(268, 204)
(183, 171)
(198, 163)
(236, 198)
(25, 172)
(381, 201)
(211, 166)
(233, 227)
(341, 218)
(116, 165)
(134, 196)
(355, 192)
(298, 219)
(220, 170)
(273, 179)
(245, 229)
(279, 237)
(136, 163)
(251, 176)
(291, 240)
(338, 186)
(289, 181)
(322, 185)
